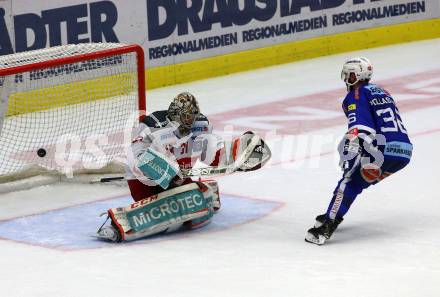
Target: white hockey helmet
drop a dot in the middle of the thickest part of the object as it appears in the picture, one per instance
(360, 66)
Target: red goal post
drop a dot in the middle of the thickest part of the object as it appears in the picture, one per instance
(123, 49)
(86, 92)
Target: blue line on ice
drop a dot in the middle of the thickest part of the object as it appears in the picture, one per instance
(72, 228)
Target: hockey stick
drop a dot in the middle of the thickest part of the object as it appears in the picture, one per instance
(204, 171)
(107, 179)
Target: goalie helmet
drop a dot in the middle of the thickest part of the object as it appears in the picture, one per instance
(184, 109)
(360, 67)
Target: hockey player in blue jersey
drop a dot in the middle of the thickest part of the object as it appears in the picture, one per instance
(375, 146)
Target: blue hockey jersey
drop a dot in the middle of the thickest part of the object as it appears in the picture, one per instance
(372, 110)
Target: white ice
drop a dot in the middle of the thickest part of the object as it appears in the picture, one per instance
(388, 245)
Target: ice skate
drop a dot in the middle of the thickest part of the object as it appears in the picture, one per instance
(108, 233)
(319, 235)
(319, 220)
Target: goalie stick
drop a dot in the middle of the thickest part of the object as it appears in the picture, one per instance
(194, 172)
(203, 171)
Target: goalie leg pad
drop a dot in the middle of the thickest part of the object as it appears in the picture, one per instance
(215, 193)
(212, 186)
(167, 211)
(198, 223)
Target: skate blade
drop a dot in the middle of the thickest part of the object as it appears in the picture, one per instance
(102, 238)
(318, 224)
(312, 239)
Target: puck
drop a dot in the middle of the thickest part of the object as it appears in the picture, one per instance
(41, 152)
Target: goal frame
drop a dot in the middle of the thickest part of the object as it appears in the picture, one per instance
(32, 181)
(90, 56)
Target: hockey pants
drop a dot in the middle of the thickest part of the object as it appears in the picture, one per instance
(355, 181)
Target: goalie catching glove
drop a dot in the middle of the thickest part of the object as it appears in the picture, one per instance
(254, 150)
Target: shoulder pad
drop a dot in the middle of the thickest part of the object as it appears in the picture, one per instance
(157, 119)
(202, 118)
(374, 89)
(201, 126)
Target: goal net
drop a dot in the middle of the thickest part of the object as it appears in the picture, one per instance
(67, 109)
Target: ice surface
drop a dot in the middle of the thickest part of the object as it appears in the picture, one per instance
(69, 228)
(388, 244)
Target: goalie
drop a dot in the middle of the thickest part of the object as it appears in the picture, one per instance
(160, 164)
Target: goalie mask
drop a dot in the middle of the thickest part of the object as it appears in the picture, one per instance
(360, 67)
(184, 110)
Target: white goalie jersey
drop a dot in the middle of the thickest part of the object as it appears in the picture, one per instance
(158, 133)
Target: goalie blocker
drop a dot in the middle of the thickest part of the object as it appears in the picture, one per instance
(186, 207)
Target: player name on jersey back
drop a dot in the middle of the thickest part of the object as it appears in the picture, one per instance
(381, 101)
